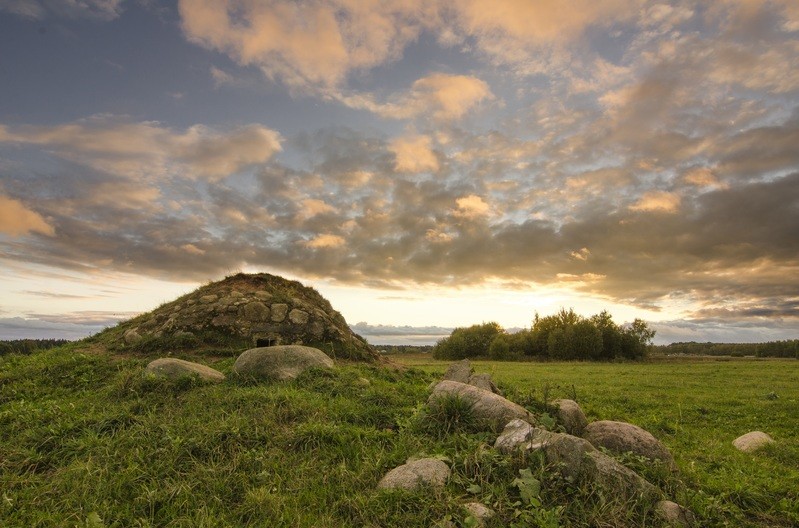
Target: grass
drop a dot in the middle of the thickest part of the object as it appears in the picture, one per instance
(87, 441)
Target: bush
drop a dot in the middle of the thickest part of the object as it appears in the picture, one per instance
(468, 342)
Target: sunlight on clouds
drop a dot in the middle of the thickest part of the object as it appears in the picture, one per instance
(325, 241)
(16, 219)
(438, 96)
(148, 150)
(302, 43)
(658, 201)
(702, 177)
(414, 154)
(471, 206)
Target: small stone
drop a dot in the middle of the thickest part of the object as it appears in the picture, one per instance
(207, 299)
(132, 336)
(236, 294)
(279, 312)
(571, 416)
(263, 295)
(460, 371)
(479, 511)
(418, 473)
(752, 441)
(256, 311)
(316, 329)
(298, 317)
(674, 514)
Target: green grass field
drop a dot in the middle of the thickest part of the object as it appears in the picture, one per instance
(86, 441)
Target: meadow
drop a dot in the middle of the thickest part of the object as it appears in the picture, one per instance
(87, 441)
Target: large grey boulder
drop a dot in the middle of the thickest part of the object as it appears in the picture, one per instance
(621, 437)
(575, 458)
(674, 515)
(487, 407)
(752, 441)
(415, 474)
(571, 416)
(173, 368)
(280, 362)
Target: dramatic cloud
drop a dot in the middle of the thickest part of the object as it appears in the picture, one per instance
(304, 43)
(440, 97)
(636, 152)
(147, 150)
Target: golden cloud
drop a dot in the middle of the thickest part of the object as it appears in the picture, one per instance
(16, 219)
(658, 201)
(414, 154)
(325, 241)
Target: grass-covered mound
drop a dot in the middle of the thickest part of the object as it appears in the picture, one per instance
(86, 440)
(242, 311)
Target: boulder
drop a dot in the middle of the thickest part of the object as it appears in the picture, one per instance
(279, 312)
(131, 337)
(752, 441)
(517, 434)
(575, 458)
(621, 437)
(674, 515)
(460, 371)
(280, 362)
(175, 368)
(463, 372)
(484, 381)
(571, 416)
(488, 407)
(415, 474)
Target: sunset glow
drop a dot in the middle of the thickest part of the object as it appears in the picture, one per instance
(423, 164)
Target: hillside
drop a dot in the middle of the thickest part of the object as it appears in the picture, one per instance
(241, 311)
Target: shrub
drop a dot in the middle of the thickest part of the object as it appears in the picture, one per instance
(467, 342)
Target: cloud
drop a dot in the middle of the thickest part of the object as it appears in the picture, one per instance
(16, 219)
(147, 150)
(657, 201)
(325, 241)
(414, 154)
(438, 96)
(38, 9)
(303, 43)
(471, 206)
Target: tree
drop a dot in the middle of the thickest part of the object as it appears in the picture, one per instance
(468, 342)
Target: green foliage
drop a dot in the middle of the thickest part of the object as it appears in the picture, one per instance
(562, 336)
(778, 349)
(86, 440)
(468, 342)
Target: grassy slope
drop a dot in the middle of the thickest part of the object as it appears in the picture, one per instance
(86, 441)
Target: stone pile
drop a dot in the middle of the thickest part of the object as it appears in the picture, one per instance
(576, 453)
(260, 309)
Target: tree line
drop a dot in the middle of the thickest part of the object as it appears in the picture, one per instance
(777, 349)
(28, 346)
(563, 336)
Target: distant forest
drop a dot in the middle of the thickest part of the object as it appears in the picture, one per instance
(29, 346)
(776, 349)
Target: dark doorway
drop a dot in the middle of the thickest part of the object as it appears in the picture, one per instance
(265, 342)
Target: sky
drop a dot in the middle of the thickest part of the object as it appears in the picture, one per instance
(425, 164)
